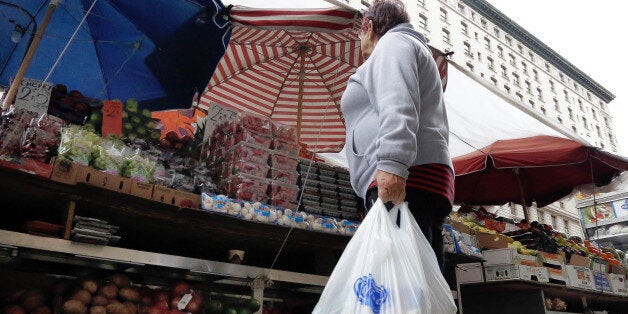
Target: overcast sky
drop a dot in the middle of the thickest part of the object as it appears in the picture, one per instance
(590, 35)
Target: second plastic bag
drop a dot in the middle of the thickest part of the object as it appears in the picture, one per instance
(387, 269)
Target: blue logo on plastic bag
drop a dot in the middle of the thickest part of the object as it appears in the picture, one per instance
(369, 293)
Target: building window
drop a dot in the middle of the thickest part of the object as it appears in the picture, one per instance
(552, 86)
(575, 130)
(513, 60)
(465, 28)
(543, 110)
(540, 92)
(475, 35)
(556, 105)
(540, 217)
(575, 86)
(566, 95)
(494, 80)
(562, 77)
(531, 103)
(531, 55)
(584, 123)
(491, 64)
(589, 96)
(580, 105)
(560, 120)
(504, 72)
(519, 96)
(548, 68)
(461, 8)
(553, 221)
(483, 23)
(507, 88)
(528, 87)
(470, 66)
(423, 21)
(570, 114)
(508, 40)
(524, 67)
(472, 16)
(515, 78)
(599, 132)
(606, 122)
(467, 50)
(479, 57)
(496, 31)
(594, 114)
(520, 48)
(610, 138)
(566, 223)
(443, 14)
(500, 52)
(446, 35)
(488, 43)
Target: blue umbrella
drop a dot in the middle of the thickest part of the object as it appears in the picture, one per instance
(157, 51)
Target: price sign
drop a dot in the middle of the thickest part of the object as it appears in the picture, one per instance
(33, 95)
(112, 118)
(217, 114)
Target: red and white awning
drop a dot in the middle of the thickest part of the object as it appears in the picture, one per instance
(291, 65)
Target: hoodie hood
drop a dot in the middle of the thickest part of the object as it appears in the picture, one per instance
(408, 29)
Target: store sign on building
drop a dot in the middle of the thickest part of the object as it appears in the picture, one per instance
(598, 213)
(621, 207)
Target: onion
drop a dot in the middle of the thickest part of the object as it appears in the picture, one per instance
(180, 288)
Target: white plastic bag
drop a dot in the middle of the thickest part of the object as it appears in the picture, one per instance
(387, 269)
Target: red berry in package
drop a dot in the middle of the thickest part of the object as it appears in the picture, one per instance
(252, 122)
(246, 167)
(248, 152)
(284, 132)
(289, 148)
(246, 187)
(283, 176)
(286, 192)
(251, 137)
(284, 162)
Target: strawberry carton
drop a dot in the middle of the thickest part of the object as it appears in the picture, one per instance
(283, 162)
(284, 132)
(246, 187)
(246, 167)
(287, 177)
(252, 122)
(289, 148)
(248, 136)
(281, 191)
(249, 152)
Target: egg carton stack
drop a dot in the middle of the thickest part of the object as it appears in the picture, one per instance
(255, 159)
(326, 190)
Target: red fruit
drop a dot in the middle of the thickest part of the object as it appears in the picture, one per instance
(180, 288)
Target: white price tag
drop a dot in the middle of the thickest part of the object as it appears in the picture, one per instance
(33, 95)
(217, 114)
(185, 299)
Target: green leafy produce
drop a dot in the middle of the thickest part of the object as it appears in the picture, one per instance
(253, 304)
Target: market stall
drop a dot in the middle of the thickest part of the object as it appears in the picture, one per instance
(233, 202)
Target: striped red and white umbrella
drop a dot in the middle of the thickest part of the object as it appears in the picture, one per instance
(291, 65)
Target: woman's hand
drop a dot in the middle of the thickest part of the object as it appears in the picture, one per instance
(390, 187)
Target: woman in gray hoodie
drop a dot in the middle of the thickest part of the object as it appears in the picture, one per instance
(397, 130)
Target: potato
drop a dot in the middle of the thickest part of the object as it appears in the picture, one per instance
(109, 291)
(130, 294)
(131, 308)
(32, 299)
(97, 310)
(42, 310)
(116, 308)
(74, 307)
(13, 309)
(90, 285)
(120, 280)
(99, 300)
(82, 295)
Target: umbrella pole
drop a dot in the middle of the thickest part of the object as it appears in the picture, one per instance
(29, 55)
(302, 51)
(523, 196)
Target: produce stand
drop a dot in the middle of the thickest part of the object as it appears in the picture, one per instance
(521, 296)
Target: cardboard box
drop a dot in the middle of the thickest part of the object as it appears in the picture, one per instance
(64, 171)
(186, 199)
(491, 241)
(580, 277)
(508, 272)
(91, 176)
(614, 269)
(598, 264)
(618, 284)
(461, 227)
(558, 274)
(581, 261)
(118, 184)
(508, 256)
(469, 272)
(142, 189)
(602, 281)
(553, 259)
(163, 194)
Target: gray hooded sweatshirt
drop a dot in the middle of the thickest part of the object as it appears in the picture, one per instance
(394, 110)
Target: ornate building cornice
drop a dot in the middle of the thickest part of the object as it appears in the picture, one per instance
(545, 52)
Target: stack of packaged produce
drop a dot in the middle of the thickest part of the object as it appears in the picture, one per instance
(255, 159)
(327, 190)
